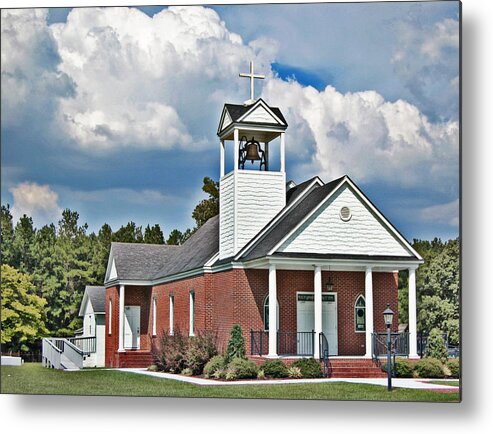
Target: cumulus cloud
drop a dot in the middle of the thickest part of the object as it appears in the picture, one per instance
(447, 213)
(427, 61)
(363, 135)
(36, 201)
(148, 82)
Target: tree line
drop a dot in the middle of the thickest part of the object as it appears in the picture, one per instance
(45, 270)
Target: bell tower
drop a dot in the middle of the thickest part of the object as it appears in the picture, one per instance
(251, 193)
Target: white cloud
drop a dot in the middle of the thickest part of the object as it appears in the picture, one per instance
(447, 213)
(149, 82)
(427, 61)
(36, 201)
(363, 135)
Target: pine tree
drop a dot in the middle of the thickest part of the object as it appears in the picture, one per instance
(153, 235)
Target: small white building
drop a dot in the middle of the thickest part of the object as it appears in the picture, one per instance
(92, 309)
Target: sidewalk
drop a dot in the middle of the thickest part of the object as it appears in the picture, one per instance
(407, 383)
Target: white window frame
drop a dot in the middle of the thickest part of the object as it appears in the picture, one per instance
(154, 316)
(171, 314)
(110, 315)
(355, 315)
(191, 326)
(266, 309)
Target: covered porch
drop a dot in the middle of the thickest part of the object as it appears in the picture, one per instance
(340, 315)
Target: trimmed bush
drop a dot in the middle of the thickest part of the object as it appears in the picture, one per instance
(215, 364)
(454, 368)
(236, 344)
(261, 375)
(294, 372)
(241, 368)
(403, 368)
(187, 371)
(435, 346)
(429, 368)
(169, 352)
(153, 368)
(201, 348)
(274, 369)
(309, 368)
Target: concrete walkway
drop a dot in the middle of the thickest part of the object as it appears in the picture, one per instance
(408, 383)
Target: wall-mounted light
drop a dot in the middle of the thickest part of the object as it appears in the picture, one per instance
(330, 285)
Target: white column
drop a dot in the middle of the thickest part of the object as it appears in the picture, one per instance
(272, 311)
(317, 305)
(121, 320)
(283, 153)
(237, 148)
(368, 309)
(413, 346)
(221, 147)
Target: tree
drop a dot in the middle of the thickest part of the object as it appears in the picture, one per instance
(21, 246)
(236, 344)
(131, 233)
(6, 235)
(177, 237)
(22, 311)
(209, 207)
(153, 235)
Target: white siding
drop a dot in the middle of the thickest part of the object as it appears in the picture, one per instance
(325, 232)
(261, 195)
(226, 216)
(260, 115)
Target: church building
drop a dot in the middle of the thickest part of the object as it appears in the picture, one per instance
(297, 266)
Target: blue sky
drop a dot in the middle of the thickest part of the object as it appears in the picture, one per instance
(113, 112)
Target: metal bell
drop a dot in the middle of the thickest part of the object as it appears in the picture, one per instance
(252, 153)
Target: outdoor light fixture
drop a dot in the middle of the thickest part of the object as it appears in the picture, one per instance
(330, 285)
(388, 316)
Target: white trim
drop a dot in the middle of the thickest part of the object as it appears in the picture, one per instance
(154, 316)
(191, 313)
(246, 249)
(110, 316)
(252, 127)
(358, 193)
(368, 311)
(317, 307)
(413, 346)
(171, 314)
(260, 102)
(121, 320)
(272, 312)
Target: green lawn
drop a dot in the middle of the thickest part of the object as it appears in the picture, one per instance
(32, 378)
(446, 383)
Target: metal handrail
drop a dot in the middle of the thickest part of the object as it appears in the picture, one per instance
(324, 353)
(87, 344)
(288, 343)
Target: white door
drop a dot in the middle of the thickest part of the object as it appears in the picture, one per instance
(306, 321)
(132, 327)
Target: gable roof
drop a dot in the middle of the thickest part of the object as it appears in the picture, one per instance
(136, 261)
(237, 111)
(97, 296)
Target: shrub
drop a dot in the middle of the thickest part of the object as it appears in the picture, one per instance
(153, 368)
(435, 346)
(215, 364)
(261, 374)
(220, 373)
(454, 368)
(429, 368)
(201, 348)
(274, 369)
(403, 368)
(187, 371)
(236, 344)
(241, 368)
(294, 372)
(309, 368)
(169, 351)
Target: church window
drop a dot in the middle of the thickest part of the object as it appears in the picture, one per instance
(266, 314)
(110, 316)
(192, 314)
(154, 316)
(360, 314)
(171, 314)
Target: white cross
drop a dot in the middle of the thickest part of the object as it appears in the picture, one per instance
(251, 76)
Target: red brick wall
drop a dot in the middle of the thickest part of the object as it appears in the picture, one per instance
(237, 297)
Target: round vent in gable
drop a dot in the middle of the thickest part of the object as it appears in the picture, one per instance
(345, 213)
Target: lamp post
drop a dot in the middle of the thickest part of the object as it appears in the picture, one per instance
(388, 316)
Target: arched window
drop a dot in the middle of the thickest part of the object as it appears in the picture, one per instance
(360, 314)
(266, 314)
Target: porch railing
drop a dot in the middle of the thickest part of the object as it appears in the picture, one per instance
(86, 344)
(324, 354)
(288, 343)
(399, 344)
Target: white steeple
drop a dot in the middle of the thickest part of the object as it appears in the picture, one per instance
(252, 193)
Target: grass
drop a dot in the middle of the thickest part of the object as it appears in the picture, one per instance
(32, 378)
(446, 383)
